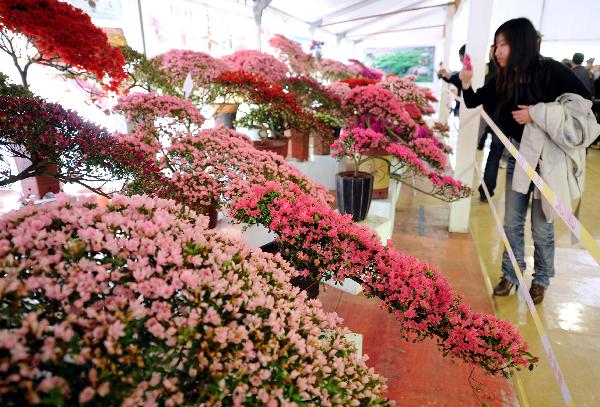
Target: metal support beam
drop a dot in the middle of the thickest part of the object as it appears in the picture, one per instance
(443, 112)
(346, 10)
(391, 13)
(378, 20)
(142, 26)
(397, 23)
(259, 7)
(313, 26)
(397, 30)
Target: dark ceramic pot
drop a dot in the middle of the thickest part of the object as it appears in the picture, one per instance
(354, 193)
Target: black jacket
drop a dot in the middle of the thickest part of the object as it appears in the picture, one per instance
(552, 79)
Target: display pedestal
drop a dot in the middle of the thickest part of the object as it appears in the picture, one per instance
(321, 169)
(254, 236)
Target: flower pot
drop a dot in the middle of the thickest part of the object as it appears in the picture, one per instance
(308, 283)
(322, 144)
(277, 146)
(41, 185)
(225, 114)
(298, 147)
(380, 170)
(354, 193)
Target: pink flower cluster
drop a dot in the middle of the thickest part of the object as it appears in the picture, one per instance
(157, 120)
(159, 123)
(372, 100)
(317, 240)
(356, 142)
(230, 157)
(443, 187)
(334, 70)
(291, 52)
(136, 303)
(407, 91)
(365, 71)
(340, 89)
(258, 63)
(427, 148)
(196, 164)
(178, 63)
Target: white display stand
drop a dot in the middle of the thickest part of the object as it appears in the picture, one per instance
(254, 236)
(320, 168)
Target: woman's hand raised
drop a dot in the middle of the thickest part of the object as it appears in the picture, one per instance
(465, 77)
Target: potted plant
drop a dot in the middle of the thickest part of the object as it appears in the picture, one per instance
(56, 34)
(378, 109)
(160, 123)
(322, 141)
(270, 124)
(270, 98)
(354, 188)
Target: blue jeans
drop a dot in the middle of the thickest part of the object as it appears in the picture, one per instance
(514, 225)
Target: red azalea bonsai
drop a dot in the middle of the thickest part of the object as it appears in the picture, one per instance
(58, 35)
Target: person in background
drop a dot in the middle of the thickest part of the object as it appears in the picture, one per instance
(589, 66)
(581, 72)
(567, 62)
(490, 174)
(524, 78)
(490, 73)
(452, 78)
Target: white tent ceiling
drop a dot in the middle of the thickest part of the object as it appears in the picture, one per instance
(362, 20)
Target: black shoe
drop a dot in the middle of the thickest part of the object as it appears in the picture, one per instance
(503, 288)
(537, 293)
(483, 199)
(480, 148)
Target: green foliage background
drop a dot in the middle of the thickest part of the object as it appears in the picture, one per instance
(401, 61)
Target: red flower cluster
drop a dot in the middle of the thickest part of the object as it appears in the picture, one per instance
(64, 34)
(307, 82)
(258, 89)
(355, 82)
(429, 96)
(262, 92)
(414, 111)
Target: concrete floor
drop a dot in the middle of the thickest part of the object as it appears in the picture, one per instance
(571, 309)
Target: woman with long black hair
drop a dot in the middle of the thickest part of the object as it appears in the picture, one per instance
(523, 78)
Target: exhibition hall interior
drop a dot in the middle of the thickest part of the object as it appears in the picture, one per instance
(300, 203)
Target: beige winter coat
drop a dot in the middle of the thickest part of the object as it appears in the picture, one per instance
(556, 142)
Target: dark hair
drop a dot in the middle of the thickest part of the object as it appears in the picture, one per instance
(461, 51)
(516, 79)
(578, 58)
